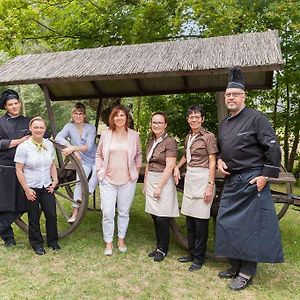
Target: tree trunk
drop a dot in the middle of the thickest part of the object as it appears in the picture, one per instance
(286, 128)
(293, 154)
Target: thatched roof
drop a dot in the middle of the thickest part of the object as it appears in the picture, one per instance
(182, 66)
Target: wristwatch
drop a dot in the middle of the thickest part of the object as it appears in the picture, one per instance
(212, 183)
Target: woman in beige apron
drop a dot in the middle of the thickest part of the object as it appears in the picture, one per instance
(159, 185)
(199, 185)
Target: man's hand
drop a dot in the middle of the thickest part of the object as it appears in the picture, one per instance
(222, 167)
(260, 181)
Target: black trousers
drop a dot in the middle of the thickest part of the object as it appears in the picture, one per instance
(197, 234)
(243, 266)
(162, 232)
(6, 219)
(46, 202)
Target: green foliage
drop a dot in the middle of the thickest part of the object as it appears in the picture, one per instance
(28, 26)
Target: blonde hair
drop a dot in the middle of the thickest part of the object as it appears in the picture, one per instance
(38, 118)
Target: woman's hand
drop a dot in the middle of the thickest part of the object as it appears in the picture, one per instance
(67, 151)
(157, 192)
(208, 197)
(52, 186)
(30, 194)
(176, 174)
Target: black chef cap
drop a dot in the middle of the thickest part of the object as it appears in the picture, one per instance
(236, 79)
(7, 95)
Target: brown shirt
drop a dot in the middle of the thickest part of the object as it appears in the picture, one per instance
(203, 146)
(166, 148)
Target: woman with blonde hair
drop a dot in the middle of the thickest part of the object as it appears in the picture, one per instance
(37, 175)
(118, 161)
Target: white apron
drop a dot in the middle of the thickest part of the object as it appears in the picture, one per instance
(167, 204)
(195, 183)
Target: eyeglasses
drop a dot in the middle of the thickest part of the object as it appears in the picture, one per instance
(158, 123)
(234, 95)
(78, 113)
(194, 117)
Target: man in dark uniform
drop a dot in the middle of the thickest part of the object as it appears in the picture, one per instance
(247, 230)
(14, 129)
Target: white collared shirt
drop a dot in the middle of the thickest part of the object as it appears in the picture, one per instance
(36, 163)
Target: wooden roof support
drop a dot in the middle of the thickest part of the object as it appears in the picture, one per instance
(221, 107)
(51, 119)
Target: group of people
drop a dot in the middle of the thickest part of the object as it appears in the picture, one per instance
(247, 154)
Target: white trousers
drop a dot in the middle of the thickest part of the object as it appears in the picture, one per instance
(122, 195)
(92, 182)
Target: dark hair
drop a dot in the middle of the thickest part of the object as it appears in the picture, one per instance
(162, 114)
(80, 107)
(114, 112)
(195, 109)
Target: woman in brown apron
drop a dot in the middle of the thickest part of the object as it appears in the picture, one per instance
(199, 185)
(159, 185)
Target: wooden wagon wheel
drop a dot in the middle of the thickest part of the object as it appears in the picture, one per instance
(282, 202)
(64, 195)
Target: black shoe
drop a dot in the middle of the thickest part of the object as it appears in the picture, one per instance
(10, 243)
(152, 254)
(55, 247)
(185, 259)
(40, 251)
(239, 283)
(159, 255)
(228, 274)
(195, 267)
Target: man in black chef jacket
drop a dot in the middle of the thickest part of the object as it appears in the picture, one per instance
(247, 230)
(14, 129)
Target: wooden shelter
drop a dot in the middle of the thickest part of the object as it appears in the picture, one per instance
(183, 66)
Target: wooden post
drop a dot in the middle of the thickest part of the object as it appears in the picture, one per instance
(221, 107)
(99, 111)
(52, 120)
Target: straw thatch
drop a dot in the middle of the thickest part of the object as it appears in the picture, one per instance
(144, 69)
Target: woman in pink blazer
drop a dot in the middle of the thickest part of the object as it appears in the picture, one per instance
(118, 161)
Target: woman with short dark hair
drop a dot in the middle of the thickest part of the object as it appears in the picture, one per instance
(199, 185)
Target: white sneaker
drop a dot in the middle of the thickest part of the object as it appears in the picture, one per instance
(72, 220)
(108, 251)
(122, 249)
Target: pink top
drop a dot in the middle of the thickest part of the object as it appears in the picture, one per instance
(117, 168)
(133, 159)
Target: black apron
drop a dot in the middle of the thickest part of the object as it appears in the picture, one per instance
(12, 197)
(247, 225)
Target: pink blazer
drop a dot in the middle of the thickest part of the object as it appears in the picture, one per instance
(134, 157)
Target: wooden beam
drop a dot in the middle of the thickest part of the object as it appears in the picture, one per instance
(221, 107)
(96, 88)
(185, 82)
(139, 85)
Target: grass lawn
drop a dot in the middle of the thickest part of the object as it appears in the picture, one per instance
(81, 271)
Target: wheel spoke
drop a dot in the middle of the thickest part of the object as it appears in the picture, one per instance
(62, 210)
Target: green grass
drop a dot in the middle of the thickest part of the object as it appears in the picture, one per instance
(81, 271)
